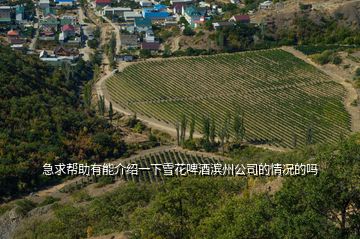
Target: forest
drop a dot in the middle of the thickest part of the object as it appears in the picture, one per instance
(43, 120)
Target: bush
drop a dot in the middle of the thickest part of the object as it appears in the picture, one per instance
(188, 31)
(48, 200)
(24, 206)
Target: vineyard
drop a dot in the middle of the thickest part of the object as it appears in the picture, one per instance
(162, 162)
(281, 96)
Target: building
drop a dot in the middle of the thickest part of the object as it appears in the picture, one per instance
(128, 41)
(194, 15)
(55, 60)
(14, 37)
(5, 14)
(49, 11)
(68, 3)
(265, 5)
(149, 36)
(152, 46)
(44, 4)
(220, 25)
(62, 51)
(142, 24)
(19, 13)
(181, 1)
(145, 3)
(115, 11)
(102, 3)
(157, 12)
(131, 16)
(244, 19)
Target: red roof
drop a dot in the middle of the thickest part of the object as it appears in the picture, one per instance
(242, 18)
(103, 1)
(68, 27)
(12, 33)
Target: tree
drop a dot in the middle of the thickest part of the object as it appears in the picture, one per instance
(309, 136)
(177, 128)
(212, 134)
(206, 129)
(111, 112)
(183, 126)
(101, 105)
(239, 127)
(192, 127)
(188, 31)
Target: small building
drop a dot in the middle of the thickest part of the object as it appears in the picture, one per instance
(266, 5)
(64, 3)
(49, 11)
(5, 14)
(115, 11)
(68, 20)
(62, 51)
(49, 21)
(68, 30)
(244, 19)
(152, 46)
(14, 37)
(145, 3)
(181, 1)
(131, 16)
(19, 11)
(44, 4)
(221, 25)
(142, 24)
(149, 36)
(128, 41)
(126, 58)
(177, 8)
(102, 3)
(194, 15)
(157, 12)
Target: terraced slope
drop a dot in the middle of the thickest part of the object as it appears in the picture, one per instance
(280, 95)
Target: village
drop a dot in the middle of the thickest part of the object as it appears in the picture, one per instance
(67, 30)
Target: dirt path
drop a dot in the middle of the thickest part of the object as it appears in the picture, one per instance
(351, 95)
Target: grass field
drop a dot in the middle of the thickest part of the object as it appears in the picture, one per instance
(281, 96)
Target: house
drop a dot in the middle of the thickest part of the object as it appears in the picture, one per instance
(19, 11)
(44, 4)
(126, 58)
(157, 12)
(49, 21)
(49, 11)
(152, 46)
(235, 1)
(68, 20)
(177, 8)
(142, 24)
(102, 3)
(244, 19)
(194, 15)
(220, 25)
(128, 41)
(131, 16)
(145, 3)
(68, 30)
(5, 14)
(55, 60)
(115, 11)
(14, 38)
(149, 36)
(265, 5)
(62, 51)
(68, 3)
(181, 1)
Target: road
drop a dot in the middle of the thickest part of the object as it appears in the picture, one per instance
(32, 45)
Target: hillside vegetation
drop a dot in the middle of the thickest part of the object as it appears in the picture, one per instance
(281, 98)
(322, 206)
(42, 120)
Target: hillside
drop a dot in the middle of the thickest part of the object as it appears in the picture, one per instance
(42, 120)
(280, 96)
(236, 206)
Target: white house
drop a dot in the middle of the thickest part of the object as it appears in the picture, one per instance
(149, 36)
(131, 16)
(265, 5)
(145, 3)
(115, 11)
